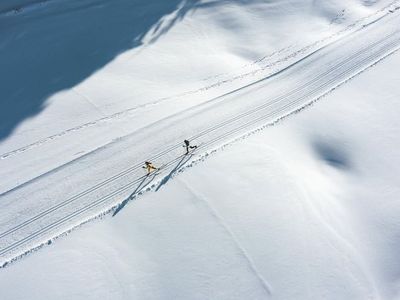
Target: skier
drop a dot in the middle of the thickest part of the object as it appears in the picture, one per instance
(149, 167)
(187, 146)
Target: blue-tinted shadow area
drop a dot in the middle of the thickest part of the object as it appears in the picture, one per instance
(333, 154)
(58, 45)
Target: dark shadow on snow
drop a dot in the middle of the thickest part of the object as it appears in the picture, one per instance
(145, 182)
(182, 162)
(57, 46)
(149, 178)
(333, 154)
(16, 5)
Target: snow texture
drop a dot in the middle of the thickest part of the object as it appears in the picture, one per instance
(306, 209)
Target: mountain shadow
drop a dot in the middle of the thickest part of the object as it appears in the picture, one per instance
(60, 43)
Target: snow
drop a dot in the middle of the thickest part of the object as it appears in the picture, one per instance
(307, 209)
(16, 5)
(304, 209)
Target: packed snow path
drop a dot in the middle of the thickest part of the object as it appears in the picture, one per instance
(53, 203)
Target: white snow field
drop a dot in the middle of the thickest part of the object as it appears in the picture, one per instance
(305, 209)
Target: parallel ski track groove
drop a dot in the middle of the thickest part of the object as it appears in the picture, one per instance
(102, 200)
(168, 150)
(294, 54)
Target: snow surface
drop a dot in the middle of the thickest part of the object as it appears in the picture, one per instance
(95, 87)
(306, 209)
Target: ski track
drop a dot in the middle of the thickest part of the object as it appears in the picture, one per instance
(208, 130)
(342, 244)
(315, 46)
(223, 224)
(355, 260)
(110, 179)
(271, 113)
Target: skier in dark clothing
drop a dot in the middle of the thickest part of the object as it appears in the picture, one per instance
(187, 146)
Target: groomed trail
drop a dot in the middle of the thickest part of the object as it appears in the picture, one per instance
(26, 151)
(57, 201)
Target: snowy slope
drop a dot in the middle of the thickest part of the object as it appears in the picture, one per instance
(15, 6)
(104, 80)
(91, 89)
(306, 209)
(55, 202)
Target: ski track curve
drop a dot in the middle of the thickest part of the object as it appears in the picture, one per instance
(265, 65)
(63, 216)
(198, 135)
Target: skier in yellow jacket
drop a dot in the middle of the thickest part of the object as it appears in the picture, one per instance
(149, 167)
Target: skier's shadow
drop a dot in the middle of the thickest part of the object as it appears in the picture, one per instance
(141, 185)
(184, 160)
(144, 183)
